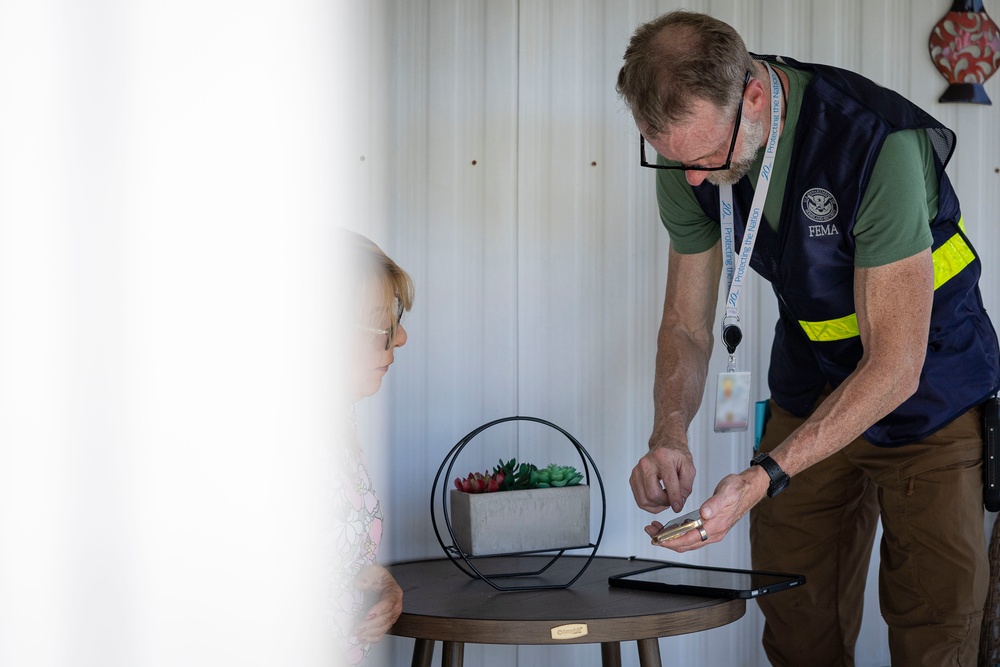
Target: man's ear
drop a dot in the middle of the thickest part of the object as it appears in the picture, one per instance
(757, 97)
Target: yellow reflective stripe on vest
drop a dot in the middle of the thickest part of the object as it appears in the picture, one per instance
(949, 260)
(838, 329)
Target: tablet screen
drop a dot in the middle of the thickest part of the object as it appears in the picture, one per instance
(716, 582)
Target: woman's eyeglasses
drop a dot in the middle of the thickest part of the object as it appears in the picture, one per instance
(390, 333)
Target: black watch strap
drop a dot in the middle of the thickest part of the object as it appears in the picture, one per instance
(779, 480)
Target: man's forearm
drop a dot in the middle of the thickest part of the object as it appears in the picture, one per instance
(681, 370)
(684, 343)
(893, 326)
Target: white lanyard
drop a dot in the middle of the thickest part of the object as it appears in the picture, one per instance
(735, 273)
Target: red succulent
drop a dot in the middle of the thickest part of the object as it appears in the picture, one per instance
(480, 482)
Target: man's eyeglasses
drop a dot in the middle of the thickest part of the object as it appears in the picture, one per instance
(684, 167)
(389, 333)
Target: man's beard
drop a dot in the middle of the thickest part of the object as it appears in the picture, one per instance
(753, 136)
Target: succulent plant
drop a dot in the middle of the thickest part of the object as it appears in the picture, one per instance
(554, 475)
(515, 476)
(512, 476)
(479, 482)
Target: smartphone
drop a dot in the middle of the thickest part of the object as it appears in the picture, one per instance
(678, 527)
(991, 454)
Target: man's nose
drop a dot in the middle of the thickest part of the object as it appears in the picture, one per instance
(695, 178)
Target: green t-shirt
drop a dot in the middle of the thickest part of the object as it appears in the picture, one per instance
(895, 213)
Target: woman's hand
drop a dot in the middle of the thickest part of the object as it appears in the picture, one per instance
(387, 608)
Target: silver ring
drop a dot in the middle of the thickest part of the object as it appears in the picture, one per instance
(704, 534)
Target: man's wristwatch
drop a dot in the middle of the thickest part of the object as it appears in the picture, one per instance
(779, 480)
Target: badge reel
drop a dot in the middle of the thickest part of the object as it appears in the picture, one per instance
(732, 400)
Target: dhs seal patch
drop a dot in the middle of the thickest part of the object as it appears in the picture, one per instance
(819, 205)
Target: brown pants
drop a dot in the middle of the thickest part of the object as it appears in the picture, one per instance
(933, 571)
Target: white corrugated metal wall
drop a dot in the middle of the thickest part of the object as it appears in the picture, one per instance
(499, 168)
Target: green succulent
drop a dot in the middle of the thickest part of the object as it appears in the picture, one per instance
(555, 476)
(514, 476)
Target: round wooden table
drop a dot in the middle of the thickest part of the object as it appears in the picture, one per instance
(442, 603)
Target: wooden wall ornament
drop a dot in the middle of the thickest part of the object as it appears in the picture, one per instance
(965, 48)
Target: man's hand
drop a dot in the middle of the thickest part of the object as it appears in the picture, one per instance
(734, 496)
(663, 478)
(380, 617)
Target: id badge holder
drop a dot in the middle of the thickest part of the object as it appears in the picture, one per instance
(732, 402)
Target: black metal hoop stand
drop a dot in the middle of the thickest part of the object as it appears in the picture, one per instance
(455, 552)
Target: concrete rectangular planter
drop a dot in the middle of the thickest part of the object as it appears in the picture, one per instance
(527, 520)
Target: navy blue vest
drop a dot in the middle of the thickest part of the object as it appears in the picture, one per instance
(809, 262)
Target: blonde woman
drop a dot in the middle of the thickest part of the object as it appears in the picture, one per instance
(366, 599)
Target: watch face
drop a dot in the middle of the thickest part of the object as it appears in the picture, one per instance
(777, 487)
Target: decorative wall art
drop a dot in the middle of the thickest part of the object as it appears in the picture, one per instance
(965, 48)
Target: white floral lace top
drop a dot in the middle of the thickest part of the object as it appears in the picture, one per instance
(357, 531)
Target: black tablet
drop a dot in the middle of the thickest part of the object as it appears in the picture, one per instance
(716, 582)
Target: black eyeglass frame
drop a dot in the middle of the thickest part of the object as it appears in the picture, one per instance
(732, 144)
(390, 333)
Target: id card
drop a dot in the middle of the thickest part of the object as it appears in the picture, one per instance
(732, 402)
